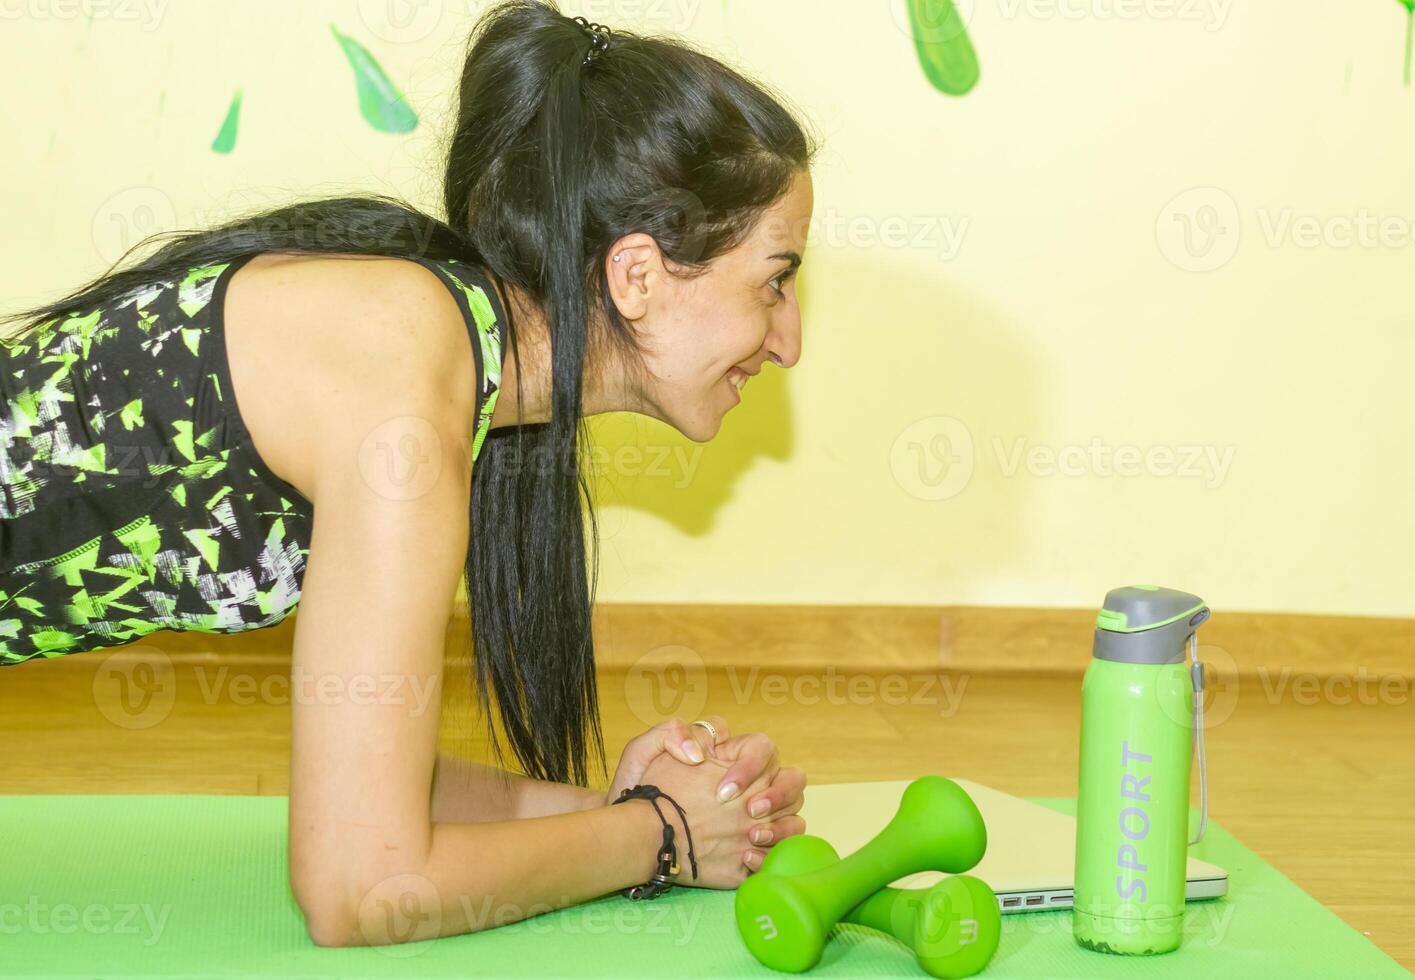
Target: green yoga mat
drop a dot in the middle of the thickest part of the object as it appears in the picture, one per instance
(195, 886)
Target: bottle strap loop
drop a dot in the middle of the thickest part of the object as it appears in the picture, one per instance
(1196, 674)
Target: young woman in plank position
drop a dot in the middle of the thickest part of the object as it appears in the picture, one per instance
(197, 443)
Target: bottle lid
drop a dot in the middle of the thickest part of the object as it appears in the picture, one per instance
(1147, 624)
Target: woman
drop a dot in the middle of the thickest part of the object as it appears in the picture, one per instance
(225, 430)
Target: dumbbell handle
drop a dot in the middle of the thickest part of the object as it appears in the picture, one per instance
(879, 912)
(861, 873)
(883, 859)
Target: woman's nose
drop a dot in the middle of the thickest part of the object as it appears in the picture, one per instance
(783, 345)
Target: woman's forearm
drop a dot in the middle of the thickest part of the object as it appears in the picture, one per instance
(470, 792)
(483, 875)
(538, 798)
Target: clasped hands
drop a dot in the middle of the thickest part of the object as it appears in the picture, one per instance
(738, 798)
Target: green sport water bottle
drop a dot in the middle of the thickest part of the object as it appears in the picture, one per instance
(1138, 703)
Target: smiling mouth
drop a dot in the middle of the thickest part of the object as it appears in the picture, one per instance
(737, 378)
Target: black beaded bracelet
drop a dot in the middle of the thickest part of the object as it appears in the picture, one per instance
(663, 880)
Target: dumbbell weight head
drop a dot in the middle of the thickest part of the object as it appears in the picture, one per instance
(784, 920)
(953, 927)
(799, 854)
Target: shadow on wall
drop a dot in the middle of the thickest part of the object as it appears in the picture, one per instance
(911, 386)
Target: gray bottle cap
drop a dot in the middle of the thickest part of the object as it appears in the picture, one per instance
(1146, 624)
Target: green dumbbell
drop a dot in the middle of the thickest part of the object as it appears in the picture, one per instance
(784, 919)
(953, 927)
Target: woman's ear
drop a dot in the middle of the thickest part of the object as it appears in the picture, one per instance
(632, 270)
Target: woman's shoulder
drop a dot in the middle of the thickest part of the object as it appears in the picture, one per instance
(321, 345)
(357, 312)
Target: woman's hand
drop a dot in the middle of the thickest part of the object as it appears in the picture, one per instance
(719, 830)
(689, 744)
(747, 773)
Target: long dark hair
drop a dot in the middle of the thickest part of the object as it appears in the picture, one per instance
(550, 162)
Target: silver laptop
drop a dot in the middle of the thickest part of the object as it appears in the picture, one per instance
(1031, 853)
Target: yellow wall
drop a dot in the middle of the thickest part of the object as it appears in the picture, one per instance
(1053, 302)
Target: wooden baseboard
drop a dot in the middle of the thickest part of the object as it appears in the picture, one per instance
(887, 639)
(977, 638)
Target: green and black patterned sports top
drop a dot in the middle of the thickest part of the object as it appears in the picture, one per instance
(131, 496)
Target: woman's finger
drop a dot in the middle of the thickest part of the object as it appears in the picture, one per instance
(700, 738)
(640, 752)
(669, 736)
(786, 795)
(766, 834)
(754, 757)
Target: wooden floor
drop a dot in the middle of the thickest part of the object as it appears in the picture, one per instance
(1324, 790)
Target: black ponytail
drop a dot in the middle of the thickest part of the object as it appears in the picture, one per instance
(526, 496)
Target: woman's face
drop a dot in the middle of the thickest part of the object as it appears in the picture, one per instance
(705, 337)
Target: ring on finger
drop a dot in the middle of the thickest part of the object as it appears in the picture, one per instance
(710, 729)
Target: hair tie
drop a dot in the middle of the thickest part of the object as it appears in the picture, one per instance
(599, 36)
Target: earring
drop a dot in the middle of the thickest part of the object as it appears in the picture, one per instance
(618, 257)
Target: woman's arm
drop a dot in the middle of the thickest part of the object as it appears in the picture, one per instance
(370, 864)
(463, 790)
(369, 861)
(390, 479)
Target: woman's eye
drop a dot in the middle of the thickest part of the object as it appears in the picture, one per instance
(780, 280)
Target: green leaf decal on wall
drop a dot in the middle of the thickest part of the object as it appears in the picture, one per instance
(1409, 6)
(225, 140)
(380, 102)
(945, 50)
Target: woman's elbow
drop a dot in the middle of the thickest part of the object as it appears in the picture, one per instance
(330, 918)
(351, 897)
(386, 910)
(330, 923)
